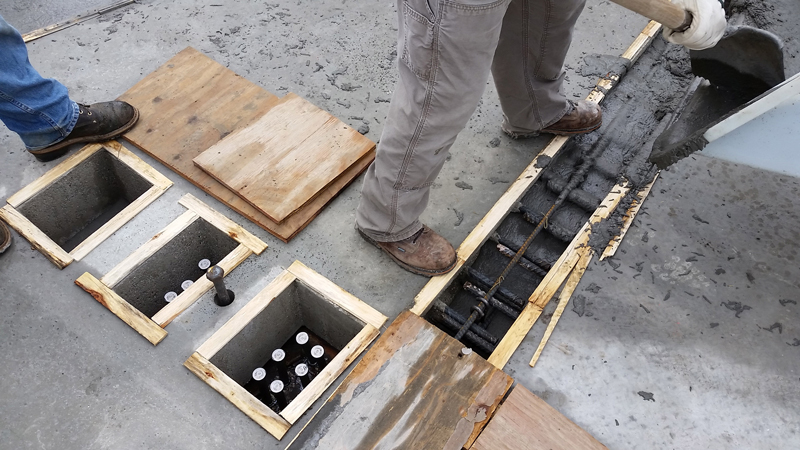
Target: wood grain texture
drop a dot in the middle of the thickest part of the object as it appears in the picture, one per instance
(630, 215)
(226, 225)
(191, 103)
(526, 422)
(120, 308)
(36, 237)
(231, 390)
(285, 158)
(412, 390)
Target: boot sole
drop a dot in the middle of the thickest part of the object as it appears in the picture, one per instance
(5, 237)
(60, 149)
(410, 268)
(571, 132)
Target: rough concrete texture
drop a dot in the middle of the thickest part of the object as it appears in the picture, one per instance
(76, 377)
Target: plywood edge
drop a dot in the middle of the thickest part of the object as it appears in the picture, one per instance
(137, 164)
(147, 250)
(333, 293)
(35, 236)
(234, 230)
(236, 394)
(121, 308)
(330, 373)
(53, 174)
(242, 317)
(630, 215)
(498, 377)
(188, 297)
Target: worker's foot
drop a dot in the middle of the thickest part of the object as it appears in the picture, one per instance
(5, 237)
(425, 253)
(584, 117)
(96, 123)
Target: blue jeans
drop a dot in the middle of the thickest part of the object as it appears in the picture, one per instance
(38, 109)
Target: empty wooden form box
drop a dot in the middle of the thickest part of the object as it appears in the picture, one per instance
(135, 289)
(82, 201)
(297, 297)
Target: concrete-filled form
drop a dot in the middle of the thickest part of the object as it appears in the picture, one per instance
(297, 297)
(161, 279)
(78, 204)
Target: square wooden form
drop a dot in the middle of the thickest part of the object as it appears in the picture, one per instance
(334, 306)
(57, 180)
(152, 328)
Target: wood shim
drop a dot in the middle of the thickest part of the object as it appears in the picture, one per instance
(50, 29)
(192, 102)
(517, 190)
(286, 157)
(630, 215)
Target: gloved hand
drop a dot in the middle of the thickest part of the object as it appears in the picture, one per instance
(708, 24)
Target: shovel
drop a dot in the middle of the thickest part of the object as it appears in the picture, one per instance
(745, 64)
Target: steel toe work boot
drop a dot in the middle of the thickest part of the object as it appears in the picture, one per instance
(96, 123)
(425, 253)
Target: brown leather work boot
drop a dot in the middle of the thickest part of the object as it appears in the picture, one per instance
(5, 237)
(585, 117)
(425, 253)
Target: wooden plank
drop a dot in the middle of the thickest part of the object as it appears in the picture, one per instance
(333, 293)
(329, 374)
(53, 174)
(237, 395)
(147, 250)
(192, 102)
(187, 298)
(642, 41)
(137, 164)
(630, 215)
(285, 158)
(412, 389)
(553, 280)
(242, 317)
(526, 422)
(563, 300)
(226, 225)
(35, 236)
(120, 308)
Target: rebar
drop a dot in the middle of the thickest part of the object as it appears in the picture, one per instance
(484, 282)
(497, 304)
(524, 261)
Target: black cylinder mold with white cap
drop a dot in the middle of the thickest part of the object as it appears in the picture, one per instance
(276, 388)
(301, 370)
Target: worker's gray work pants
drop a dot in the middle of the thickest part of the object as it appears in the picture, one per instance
(445, 50)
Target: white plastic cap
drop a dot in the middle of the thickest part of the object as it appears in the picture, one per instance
(185, 285)
(301, 370)
(302, 338)
(204, 264)
(170, 296)
(259, 374)
(317, 351)
(276, 386)
(278, 355)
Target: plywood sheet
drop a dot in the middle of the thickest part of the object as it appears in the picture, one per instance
(411, 390)
(282, 160)
(191, 103)
(526, 422)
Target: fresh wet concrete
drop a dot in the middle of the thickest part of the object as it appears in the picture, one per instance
(625, 352)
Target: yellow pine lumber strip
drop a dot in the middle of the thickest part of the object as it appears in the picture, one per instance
(120, 308)
(225, 224)
(137, 164)
(136, 258)
(35, 236)
(321, 382)
(187, 298)
(254, 307)
(334, 294)
(563, 299)
(53, 174)
(642, 41)
(614, 243)
(553, 280)
(237, 395)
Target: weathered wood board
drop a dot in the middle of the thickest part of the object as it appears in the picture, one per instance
(191, 103)
(412, 390)
(526, 422)
(286, 157)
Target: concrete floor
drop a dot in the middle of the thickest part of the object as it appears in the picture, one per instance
(654, 321)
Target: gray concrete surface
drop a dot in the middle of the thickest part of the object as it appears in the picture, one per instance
(76, 377)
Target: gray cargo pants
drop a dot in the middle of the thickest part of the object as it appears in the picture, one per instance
(445, 50)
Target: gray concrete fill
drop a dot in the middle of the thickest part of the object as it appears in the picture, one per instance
(720, 375)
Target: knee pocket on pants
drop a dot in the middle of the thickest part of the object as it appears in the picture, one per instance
(417, 41)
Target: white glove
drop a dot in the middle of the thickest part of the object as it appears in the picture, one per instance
(708, 25)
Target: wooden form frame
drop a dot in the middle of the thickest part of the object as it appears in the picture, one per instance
(153, 328)
(278, 424)
(47, 246)
(630, 214)
(481, 233)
